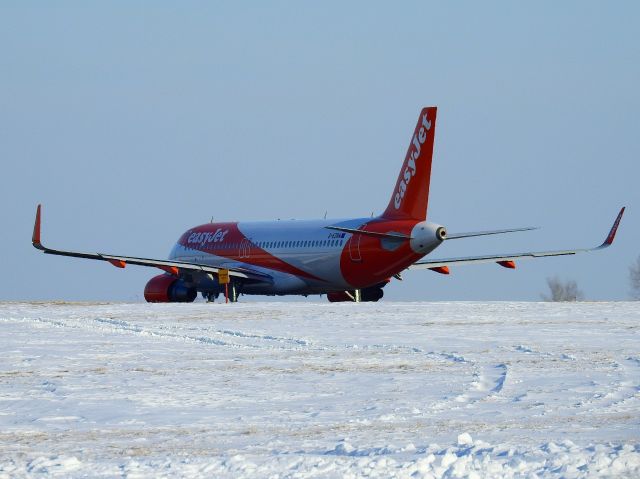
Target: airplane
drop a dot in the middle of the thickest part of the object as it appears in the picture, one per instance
(346, 260)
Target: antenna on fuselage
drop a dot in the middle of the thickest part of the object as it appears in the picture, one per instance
(325, 214)
(211, 220)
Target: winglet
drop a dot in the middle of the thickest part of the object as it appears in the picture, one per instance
(35, 239)
(612, 233)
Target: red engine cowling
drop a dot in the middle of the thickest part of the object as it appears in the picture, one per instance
(166, 288)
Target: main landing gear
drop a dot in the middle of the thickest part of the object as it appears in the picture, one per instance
(365, 295)
(230, 292)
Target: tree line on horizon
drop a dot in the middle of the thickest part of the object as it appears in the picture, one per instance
(567, 290)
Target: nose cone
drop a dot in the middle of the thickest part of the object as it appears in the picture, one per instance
(425, 237)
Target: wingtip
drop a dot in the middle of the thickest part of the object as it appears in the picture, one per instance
(614, 229)
(35, 238)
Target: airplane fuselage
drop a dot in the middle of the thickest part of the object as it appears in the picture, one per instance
(304, 257)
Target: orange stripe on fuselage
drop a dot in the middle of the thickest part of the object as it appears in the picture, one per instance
(227, 241)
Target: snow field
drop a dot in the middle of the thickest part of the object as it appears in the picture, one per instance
(320, 390)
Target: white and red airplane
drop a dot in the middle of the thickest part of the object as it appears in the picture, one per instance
(347, 259)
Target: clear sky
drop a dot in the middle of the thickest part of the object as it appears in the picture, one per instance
(132, 121)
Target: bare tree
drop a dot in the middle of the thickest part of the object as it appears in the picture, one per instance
(562, 290)
(634, 279)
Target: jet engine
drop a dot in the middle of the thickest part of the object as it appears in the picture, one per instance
(166, 288)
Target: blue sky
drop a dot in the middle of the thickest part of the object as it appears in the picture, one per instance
(132, 122)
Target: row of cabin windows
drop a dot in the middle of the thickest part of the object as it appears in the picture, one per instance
(282, 244)
(299, 244)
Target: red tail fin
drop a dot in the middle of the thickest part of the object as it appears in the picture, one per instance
(411, 195)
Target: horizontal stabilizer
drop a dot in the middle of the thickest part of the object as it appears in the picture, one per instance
(508, 260)
(486, 233)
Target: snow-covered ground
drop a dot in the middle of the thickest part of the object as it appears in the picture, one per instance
(320, 390)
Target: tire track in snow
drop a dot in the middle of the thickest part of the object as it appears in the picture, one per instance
(488, 382)
(121, 326)
(266, 337)
(439, 356)
(117, 326)
(620, 391)
(625, 390)
(124, 326)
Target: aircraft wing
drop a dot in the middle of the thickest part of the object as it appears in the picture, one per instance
(173, 267)
(508, 260)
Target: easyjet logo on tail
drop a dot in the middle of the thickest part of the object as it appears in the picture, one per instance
(410, 169)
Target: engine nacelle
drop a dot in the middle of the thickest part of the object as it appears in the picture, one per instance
(166, 288)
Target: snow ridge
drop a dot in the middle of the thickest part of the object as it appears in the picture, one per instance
(466, 458)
